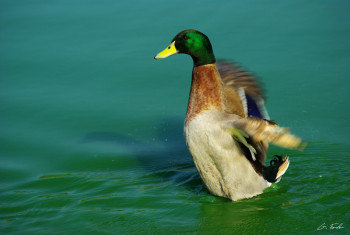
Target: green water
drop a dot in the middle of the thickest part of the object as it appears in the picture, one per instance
(91, 126)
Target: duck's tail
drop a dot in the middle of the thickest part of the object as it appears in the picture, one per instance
(277, 168)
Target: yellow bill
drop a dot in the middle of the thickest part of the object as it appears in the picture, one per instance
(170, 50)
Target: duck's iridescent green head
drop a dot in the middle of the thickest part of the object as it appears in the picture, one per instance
(193, 43)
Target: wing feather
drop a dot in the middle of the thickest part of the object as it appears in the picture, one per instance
(235, 76)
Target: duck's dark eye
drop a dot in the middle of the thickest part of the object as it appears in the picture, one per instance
(185, 37)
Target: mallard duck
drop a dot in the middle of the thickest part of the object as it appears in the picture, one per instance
(227, 128)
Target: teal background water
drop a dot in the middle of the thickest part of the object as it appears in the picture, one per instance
(91, 126)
